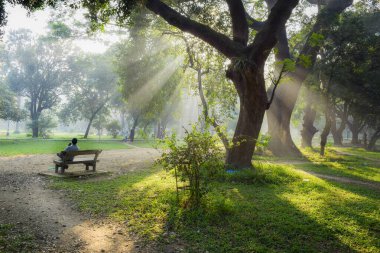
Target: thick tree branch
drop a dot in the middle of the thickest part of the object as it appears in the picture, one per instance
(267, 37)
(253, 23)
(239, 21)
(217, 40)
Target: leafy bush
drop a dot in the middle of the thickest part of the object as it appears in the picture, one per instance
(262, 143)
(195, 160)
(113, 128)
(45, 124)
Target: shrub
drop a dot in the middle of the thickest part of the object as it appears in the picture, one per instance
(113, 128)
(196, 159)
(262, 143)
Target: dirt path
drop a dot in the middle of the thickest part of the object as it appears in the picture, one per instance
(377, 161)
(347, 180)
(370, 184)
(26, 202)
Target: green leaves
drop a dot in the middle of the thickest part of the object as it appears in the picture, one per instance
(316, 39)
(289, 65)
(305, 61)
(196, 159)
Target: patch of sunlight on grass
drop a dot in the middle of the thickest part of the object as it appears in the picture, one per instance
(293, 211)
(347, 214)
(341, 165)
(361, 152)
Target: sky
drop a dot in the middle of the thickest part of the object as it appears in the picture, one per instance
(37, 22)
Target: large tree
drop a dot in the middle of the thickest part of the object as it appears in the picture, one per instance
(280, 113)
(349, 66)
(247, 53)
(36, 69)
(147, 77)
(94, 85)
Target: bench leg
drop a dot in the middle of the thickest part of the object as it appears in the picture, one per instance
(63, 168)
(94, 167)
(87, 166)
(56, 168)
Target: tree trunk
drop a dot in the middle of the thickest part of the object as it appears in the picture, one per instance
(158, 134)
(8, 128)
(17, 130)
(372, 141)
(279, 115)
(325, 132)
(35, 117)
(280, 112)
(132, 133)
(88, 128)
(337, 135)
(308, 129)
(355, 137)
(249, 83)
(355, 127)
(336, 131)
(35, 131)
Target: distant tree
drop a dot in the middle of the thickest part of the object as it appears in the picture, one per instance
(148, 77)
(303, 48)
(217, 94)
(36, 69)
(9, 109)
(47, 121)
(100, 122)
(92, 90)
(113, 128)
(247, 51)
(352, 57)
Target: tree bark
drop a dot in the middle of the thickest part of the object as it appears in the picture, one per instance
(355, 127)
(372, 141)
(249, 82)
(336, 131)
(88, 128)
(246, 70)
(308, 129)
(35, 117)
(132, 133)
(325, 132)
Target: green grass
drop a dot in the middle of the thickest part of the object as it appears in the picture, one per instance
(297, 212)
(333, 163)
(12, 240)
(21, 147)
(359, 152)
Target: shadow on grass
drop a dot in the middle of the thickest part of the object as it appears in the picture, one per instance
(234, 217)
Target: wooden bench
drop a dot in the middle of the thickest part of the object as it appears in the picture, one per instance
(69, 156)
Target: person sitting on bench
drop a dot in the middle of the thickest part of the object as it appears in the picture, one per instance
(71, 147)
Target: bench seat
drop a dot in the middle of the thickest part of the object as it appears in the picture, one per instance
(68, 156)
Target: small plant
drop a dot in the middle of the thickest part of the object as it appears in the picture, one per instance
(113, 128)
(195, 159)
(262, 143)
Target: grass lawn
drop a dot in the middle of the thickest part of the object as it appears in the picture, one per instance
(40, 146)
(292, 212)
(12, 240)
(360, 152)
(333, 163)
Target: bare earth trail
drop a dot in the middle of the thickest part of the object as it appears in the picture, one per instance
(26, 202)
(366, 183)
